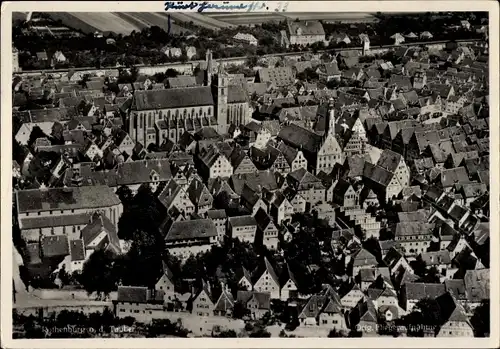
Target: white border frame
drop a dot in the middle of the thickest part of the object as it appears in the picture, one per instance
(304, 6)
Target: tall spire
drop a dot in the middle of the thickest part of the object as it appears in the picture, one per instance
(330, 118)
(209, 71)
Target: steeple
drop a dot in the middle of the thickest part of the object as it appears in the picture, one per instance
(330, 119)
(209, 72)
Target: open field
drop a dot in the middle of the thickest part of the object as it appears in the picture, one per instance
(89, 22)
(258, 18)
(149, 19)
(198, 19)
(245, 18)
(333, 16)
(129, 17)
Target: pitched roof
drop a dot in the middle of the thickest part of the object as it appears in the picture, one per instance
(313, 306)
(77, 250)
(404, 229)
(54, 221)
(99, 224)
(263, 299)
(172, 98)
(242, 221)
(132, 294)
(55, 246)
(278, 76)
(420, 290)
(305, 28)
(197, 228)
(363, 257)
(225, 301)
(98, 196)
(389, 160)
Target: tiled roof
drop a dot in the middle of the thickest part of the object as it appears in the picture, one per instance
(281, 76)
(413, 228)
(420, 290)
(99, 224)
(33, 251)
(172, 98)
(77, 250)
(216, 214)
(225, 302)
(54, 221)
(263, 299)
(132, 294)
(305, 28)
(55, 246)
(87, 197)
(193, 229)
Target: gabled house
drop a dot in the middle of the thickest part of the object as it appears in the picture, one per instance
(225, 304)
(362, 260)
(267, 280)
(166, 285)
(259, 303)
(243, 228)
(288, 284)
(454, 321)
(267, 233)
(200, 196)
(413, 292)
(350, 295)
(202, 303)
(173, 195)
(245, 280)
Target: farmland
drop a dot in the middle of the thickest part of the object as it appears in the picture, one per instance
(126, 22)
(258, 18)
(89, 22)
(148, 19)
(200, 20)
(333, 16)
(245, 18)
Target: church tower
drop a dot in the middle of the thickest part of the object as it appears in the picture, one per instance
(330, 119)
(221, 91)
(210, 68)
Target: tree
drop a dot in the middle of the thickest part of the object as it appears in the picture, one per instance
(432, 276)
(240, 311)
(125, 195)
(171, 73)
(36, 132)
(334, 333)
(57, 133)
(225, 334)
(480, 320)
(431, 313)
(159, 327)
(259, 331)
(252, 61)
(142, 214)
(98, 274)
(419, 266)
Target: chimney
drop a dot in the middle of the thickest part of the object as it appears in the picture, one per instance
(169, 191)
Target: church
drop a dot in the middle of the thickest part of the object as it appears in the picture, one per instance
(158, 115)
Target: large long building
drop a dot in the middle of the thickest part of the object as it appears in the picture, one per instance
(55, 211)
(156, 115)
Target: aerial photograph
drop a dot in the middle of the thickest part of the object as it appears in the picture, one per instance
(243, 175)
